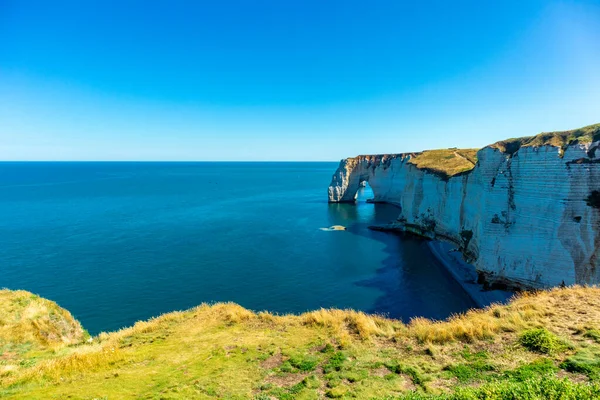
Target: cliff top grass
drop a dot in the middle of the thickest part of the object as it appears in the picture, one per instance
(33, 328)
(561, 139)
(542, 345)
(28, 317)
(446, 162)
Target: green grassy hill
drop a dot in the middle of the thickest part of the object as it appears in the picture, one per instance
(540, 346)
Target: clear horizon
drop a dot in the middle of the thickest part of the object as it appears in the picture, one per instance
(165, 161)
(270, 81)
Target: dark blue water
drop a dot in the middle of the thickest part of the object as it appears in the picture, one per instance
(119, 242)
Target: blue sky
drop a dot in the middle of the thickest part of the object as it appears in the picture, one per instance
(282, 80)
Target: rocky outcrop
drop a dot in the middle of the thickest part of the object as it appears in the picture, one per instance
(527, 213)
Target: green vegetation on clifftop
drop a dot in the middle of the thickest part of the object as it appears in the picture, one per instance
(587, 134)
(33, 328)
(539, 346)
(451, 162)
(446, 162)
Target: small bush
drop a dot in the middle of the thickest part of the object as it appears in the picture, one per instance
(467, 355)
(542, 341)
(335, 362)
(328, 348)
(333, 380)
(593, 334)
(353, 377)
(585, 362)
(536, 369)
(415, 375)
(470, 372)
(311, 382)
(286, 367)
(336, 392)
(531, 389)
(304, 363)
(297, 388)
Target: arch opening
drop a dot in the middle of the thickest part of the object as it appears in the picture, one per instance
(364, 193)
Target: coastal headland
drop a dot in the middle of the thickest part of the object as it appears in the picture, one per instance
(525, 211)
(527, 207)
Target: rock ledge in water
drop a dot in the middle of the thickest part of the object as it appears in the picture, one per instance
(334, 228)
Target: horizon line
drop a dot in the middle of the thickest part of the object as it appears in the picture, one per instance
(164, 161)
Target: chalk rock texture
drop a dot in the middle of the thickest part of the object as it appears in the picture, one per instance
(529, 217)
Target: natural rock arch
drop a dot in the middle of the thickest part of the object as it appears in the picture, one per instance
(351, 174)
(528, 217)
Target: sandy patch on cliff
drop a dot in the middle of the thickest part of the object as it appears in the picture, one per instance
(273, 361)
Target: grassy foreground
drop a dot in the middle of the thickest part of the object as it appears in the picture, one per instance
(540, 346)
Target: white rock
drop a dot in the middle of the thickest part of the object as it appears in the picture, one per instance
(528, 214)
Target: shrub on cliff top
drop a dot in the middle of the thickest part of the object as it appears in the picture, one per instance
(304, 363)
(532, 389)
(542, 341)
(593, 334)
(585, 361)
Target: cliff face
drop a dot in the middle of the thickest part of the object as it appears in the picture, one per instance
(527, 213)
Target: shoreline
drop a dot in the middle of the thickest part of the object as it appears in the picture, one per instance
(465, 274)
(448, 256)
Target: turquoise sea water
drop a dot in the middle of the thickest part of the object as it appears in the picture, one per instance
(119, 242)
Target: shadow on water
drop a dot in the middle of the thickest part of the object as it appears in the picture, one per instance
(412, 281)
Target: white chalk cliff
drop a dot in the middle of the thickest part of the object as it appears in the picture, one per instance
(527, 213)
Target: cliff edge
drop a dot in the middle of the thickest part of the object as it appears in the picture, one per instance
(524, 211)
(224, 351)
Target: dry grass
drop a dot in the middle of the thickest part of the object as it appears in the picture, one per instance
(476, 325)
(25, 317)
(446, 162)
(33, 328)
(219, 351)
(350, 322)
(553, 308)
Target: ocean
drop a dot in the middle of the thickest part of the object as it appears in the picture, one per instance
(115, 243)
